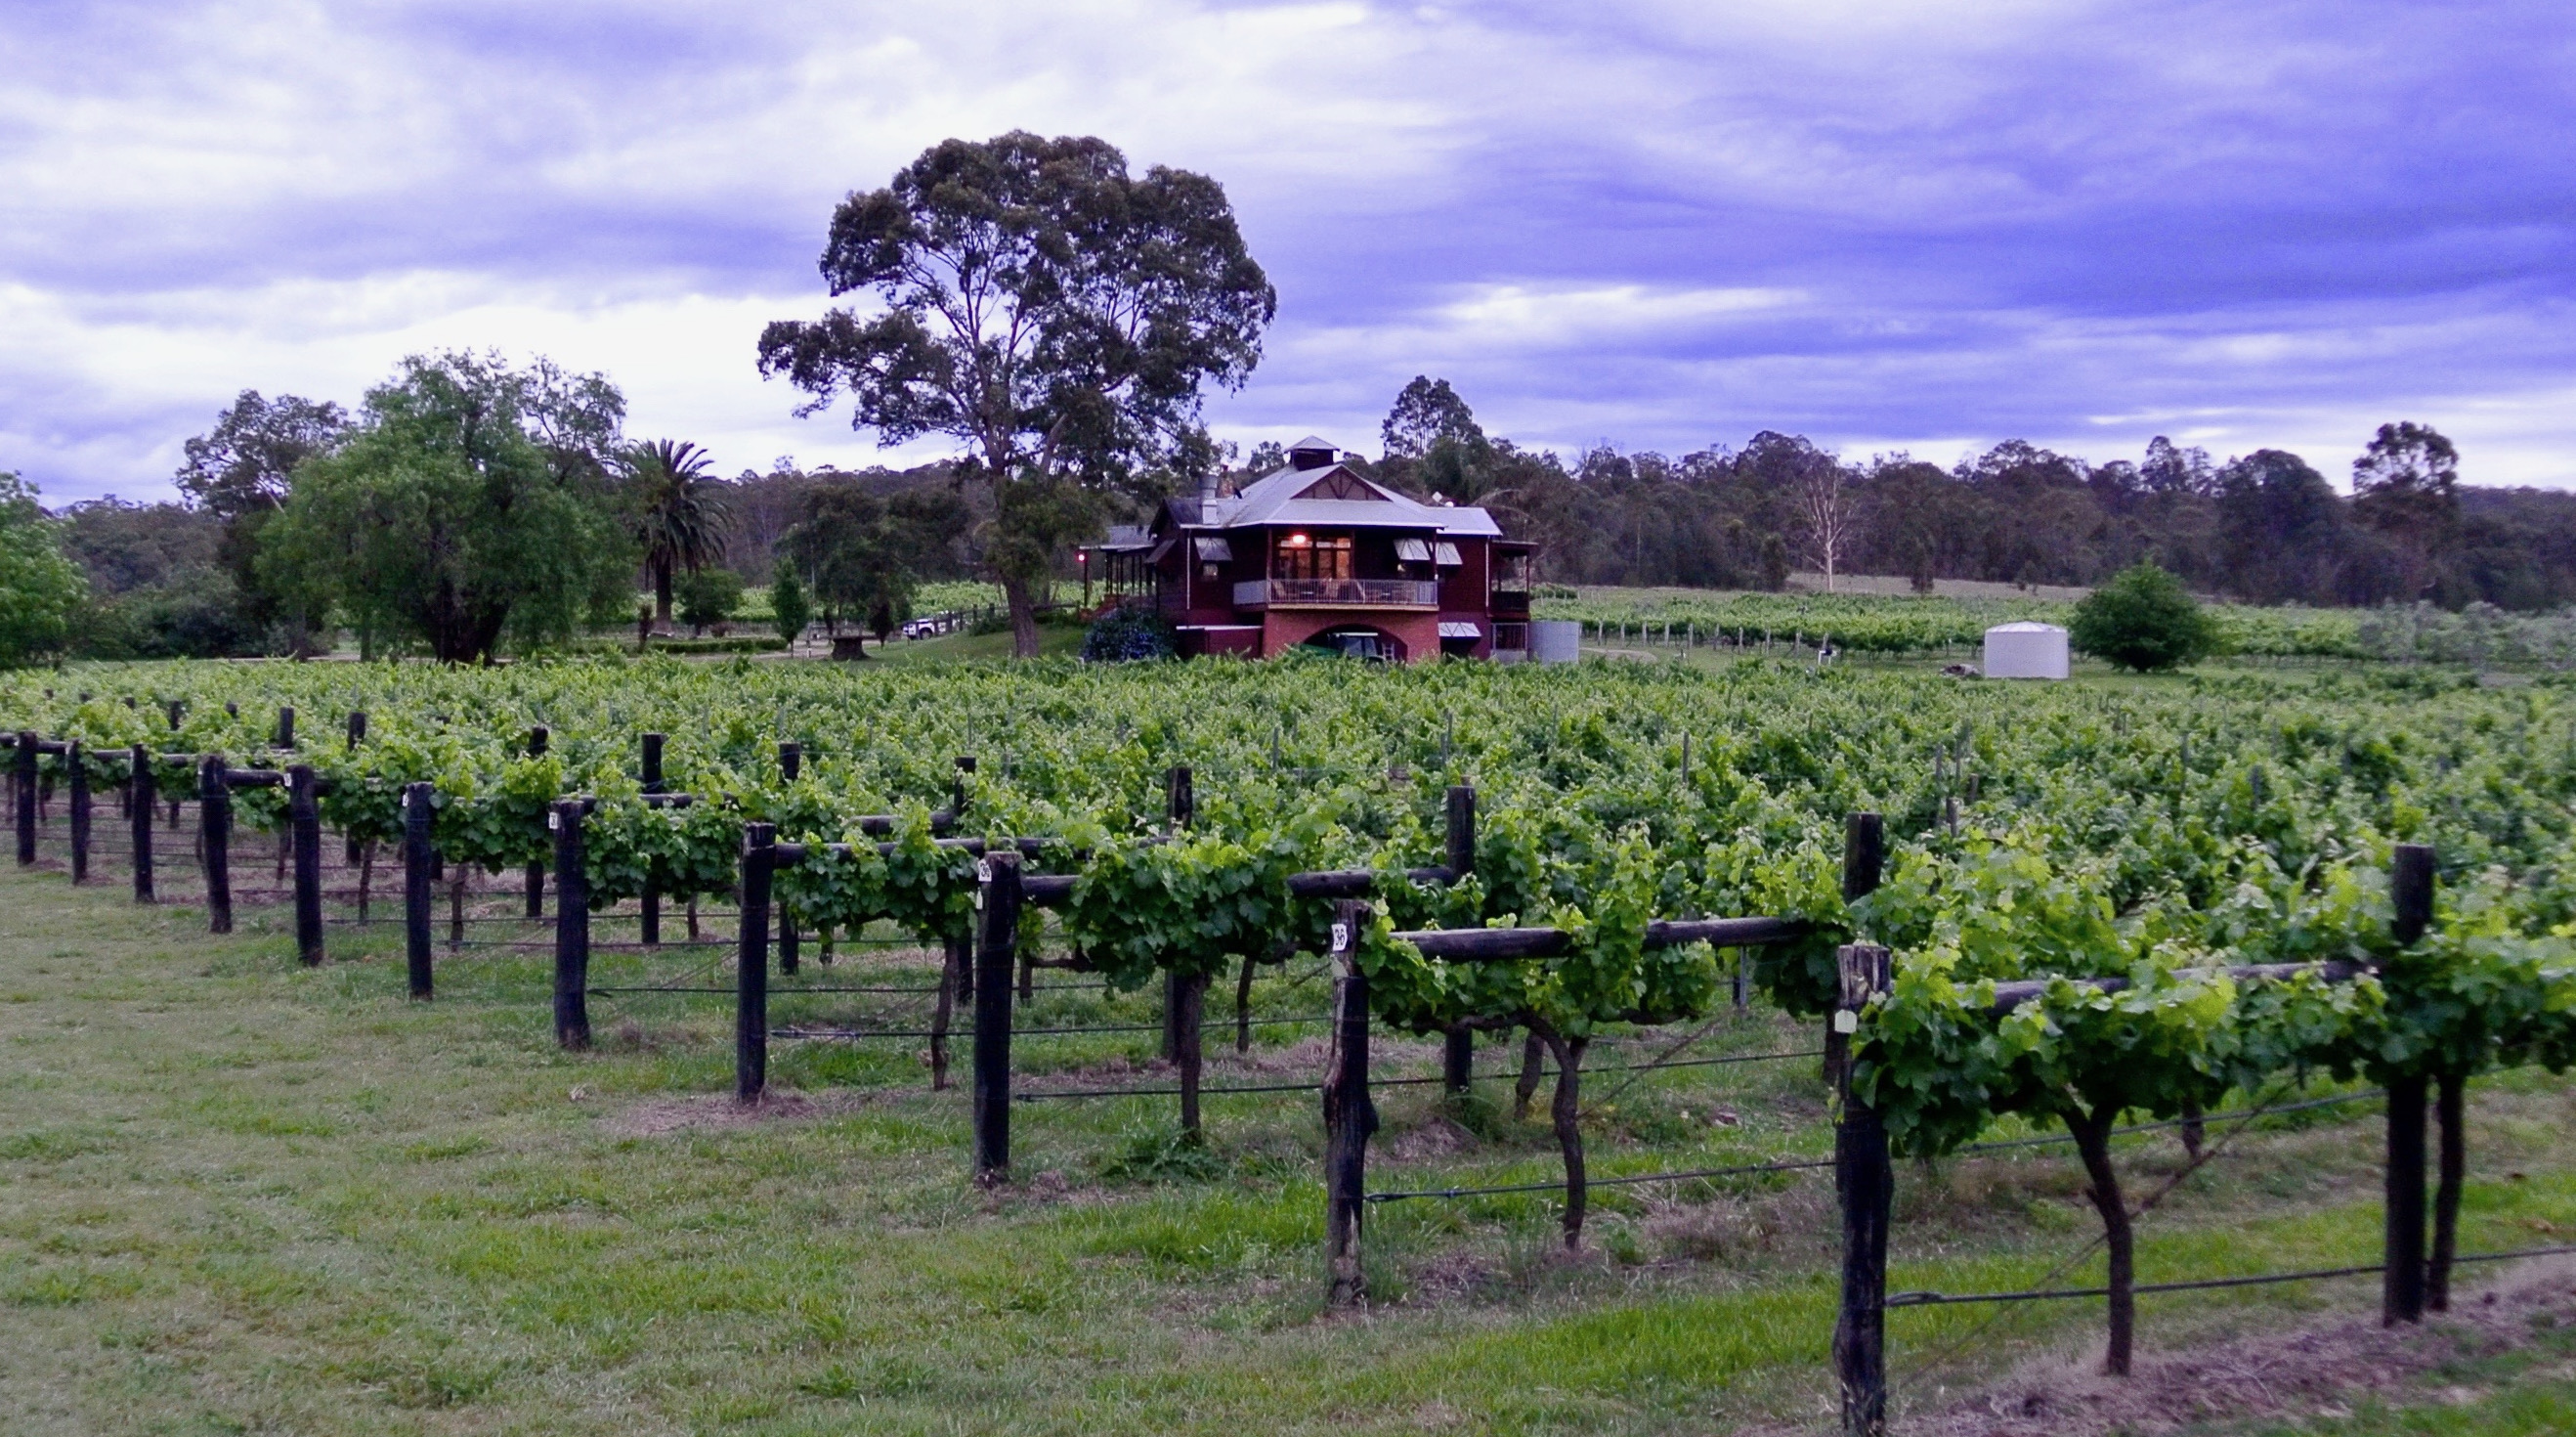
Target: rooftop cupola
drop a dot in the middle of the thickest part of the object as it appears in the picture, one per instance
(1312, 453)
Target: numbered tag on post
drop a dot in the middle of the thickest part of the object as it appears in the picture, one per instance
(983, 870)
(1341, 937)
(554, 822)
(1846, 1022)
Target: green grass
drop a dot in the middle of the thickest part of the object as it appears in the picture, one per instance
(240, 1196)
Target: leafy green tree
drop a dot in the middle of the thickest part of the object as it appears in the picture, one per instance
(856, 553)
(473, 501)
(709, 597)
(240, 470)
(39, 588)
(2144, 620)
(2405, 487)
(787, 601)
(681, 515)
(1052, 313)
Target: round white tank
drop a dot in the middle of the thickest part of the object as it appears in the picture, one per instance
(2025, 651)
(1556, 641)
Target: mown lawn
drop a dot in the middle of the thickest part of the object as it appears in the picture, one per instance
(238, 1196)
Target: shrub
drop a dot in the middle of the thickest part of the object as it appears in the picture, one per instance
(708, 597)
(787, 604)
(2143, 620)
(1128, 632)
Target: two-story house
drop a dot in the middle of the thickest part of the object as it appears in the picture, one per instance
(1315, 553)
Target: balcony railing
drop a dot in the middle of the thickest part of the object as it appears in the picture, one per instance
(1337, 593)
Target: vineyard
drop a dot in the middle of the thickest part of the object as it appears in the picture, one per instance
(1998, 915)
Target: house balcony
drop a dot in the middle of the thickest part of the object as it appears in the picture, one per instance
(1337, 594)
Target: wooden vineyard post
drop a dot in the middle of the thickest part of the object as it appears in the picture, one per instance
(1180, 807)
(791, 764)
(139, 810)
(304, 830)
(572, 927)
(285, 728)
(2401, 1292)
(1865, 1184)
(356, 852)
(995, 952)
(539, 738)
(1458, 1050)
(24, 790)
(651, 923)
(418, 885)
(215, 832)
(1349, 1116)
(751, 965)
(76, 765)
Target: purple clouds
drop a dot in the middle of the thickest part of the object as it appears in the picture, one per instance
(1885, 226)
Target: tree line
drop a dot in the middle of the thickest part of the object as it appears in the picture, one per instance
(2266, 527)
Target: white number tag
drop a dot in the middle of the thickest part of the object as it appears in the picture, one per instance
(1341, 937)
(1847, 1021)
(554, 822)
(983, 870)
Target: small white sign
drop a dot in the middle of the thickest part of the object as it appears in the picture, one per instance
(1847, 1021)
(554, 822)
(983, 870)
(1341, 937)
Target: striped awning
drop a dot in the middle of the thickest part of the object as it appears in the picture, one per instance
(1413, 551)
(1460, 629)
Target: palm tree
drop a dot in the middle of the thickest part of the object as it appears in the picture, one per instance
(681, 515)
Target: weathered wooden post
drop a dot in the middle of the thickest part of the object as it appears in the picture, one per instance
(1458, 1054)
(751, 965)
(419, 884)
(25, 791)
(572, 927)
(1180, 807)
(215, 834)
(651, 924)
(139, 811)
(995, 953)
(1349, 1116)
(2401, 1292)
(357, 727)
(304, 829)
(791, 765)
(76, 764)
(285, 727)
(535, 876)
(1865, 1184)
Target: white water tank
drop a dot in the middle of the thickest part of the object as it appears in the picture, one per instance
(2025, 650)
(1555, 641)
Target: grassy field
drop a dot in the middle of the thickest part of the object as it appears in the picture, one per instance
(239, 1196)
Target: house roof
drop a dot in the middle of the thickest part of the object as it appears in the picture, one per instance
(1274, 499)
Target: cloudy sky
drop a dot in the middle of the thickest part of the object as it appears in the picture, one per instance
(1664, 224)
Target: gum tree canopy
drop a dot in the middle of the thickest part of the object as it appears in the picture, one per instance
(1055, 315)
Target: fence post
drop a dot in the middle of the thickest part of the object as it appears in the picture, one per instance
(957, 787)
(304, 831)
(215, 832)
(1349, 1116)
(357, 727)
(1865, 1184)
(285, 727)
(1458, 1056)
(418, 885)
(26, 797)
(76, 764)
(2401, 1292)
(572, 927)
(791, 766)
(995, 952)
(1864, 854)
(650, 927)
(536, 875)
(751, 966)
(1180, 808)
(140, 806)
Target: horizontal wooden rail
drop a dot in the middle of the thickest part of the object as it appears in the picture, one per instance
(1504, 945)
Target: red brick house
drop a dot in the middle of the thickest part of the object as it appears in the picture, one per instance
(1315, 553)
